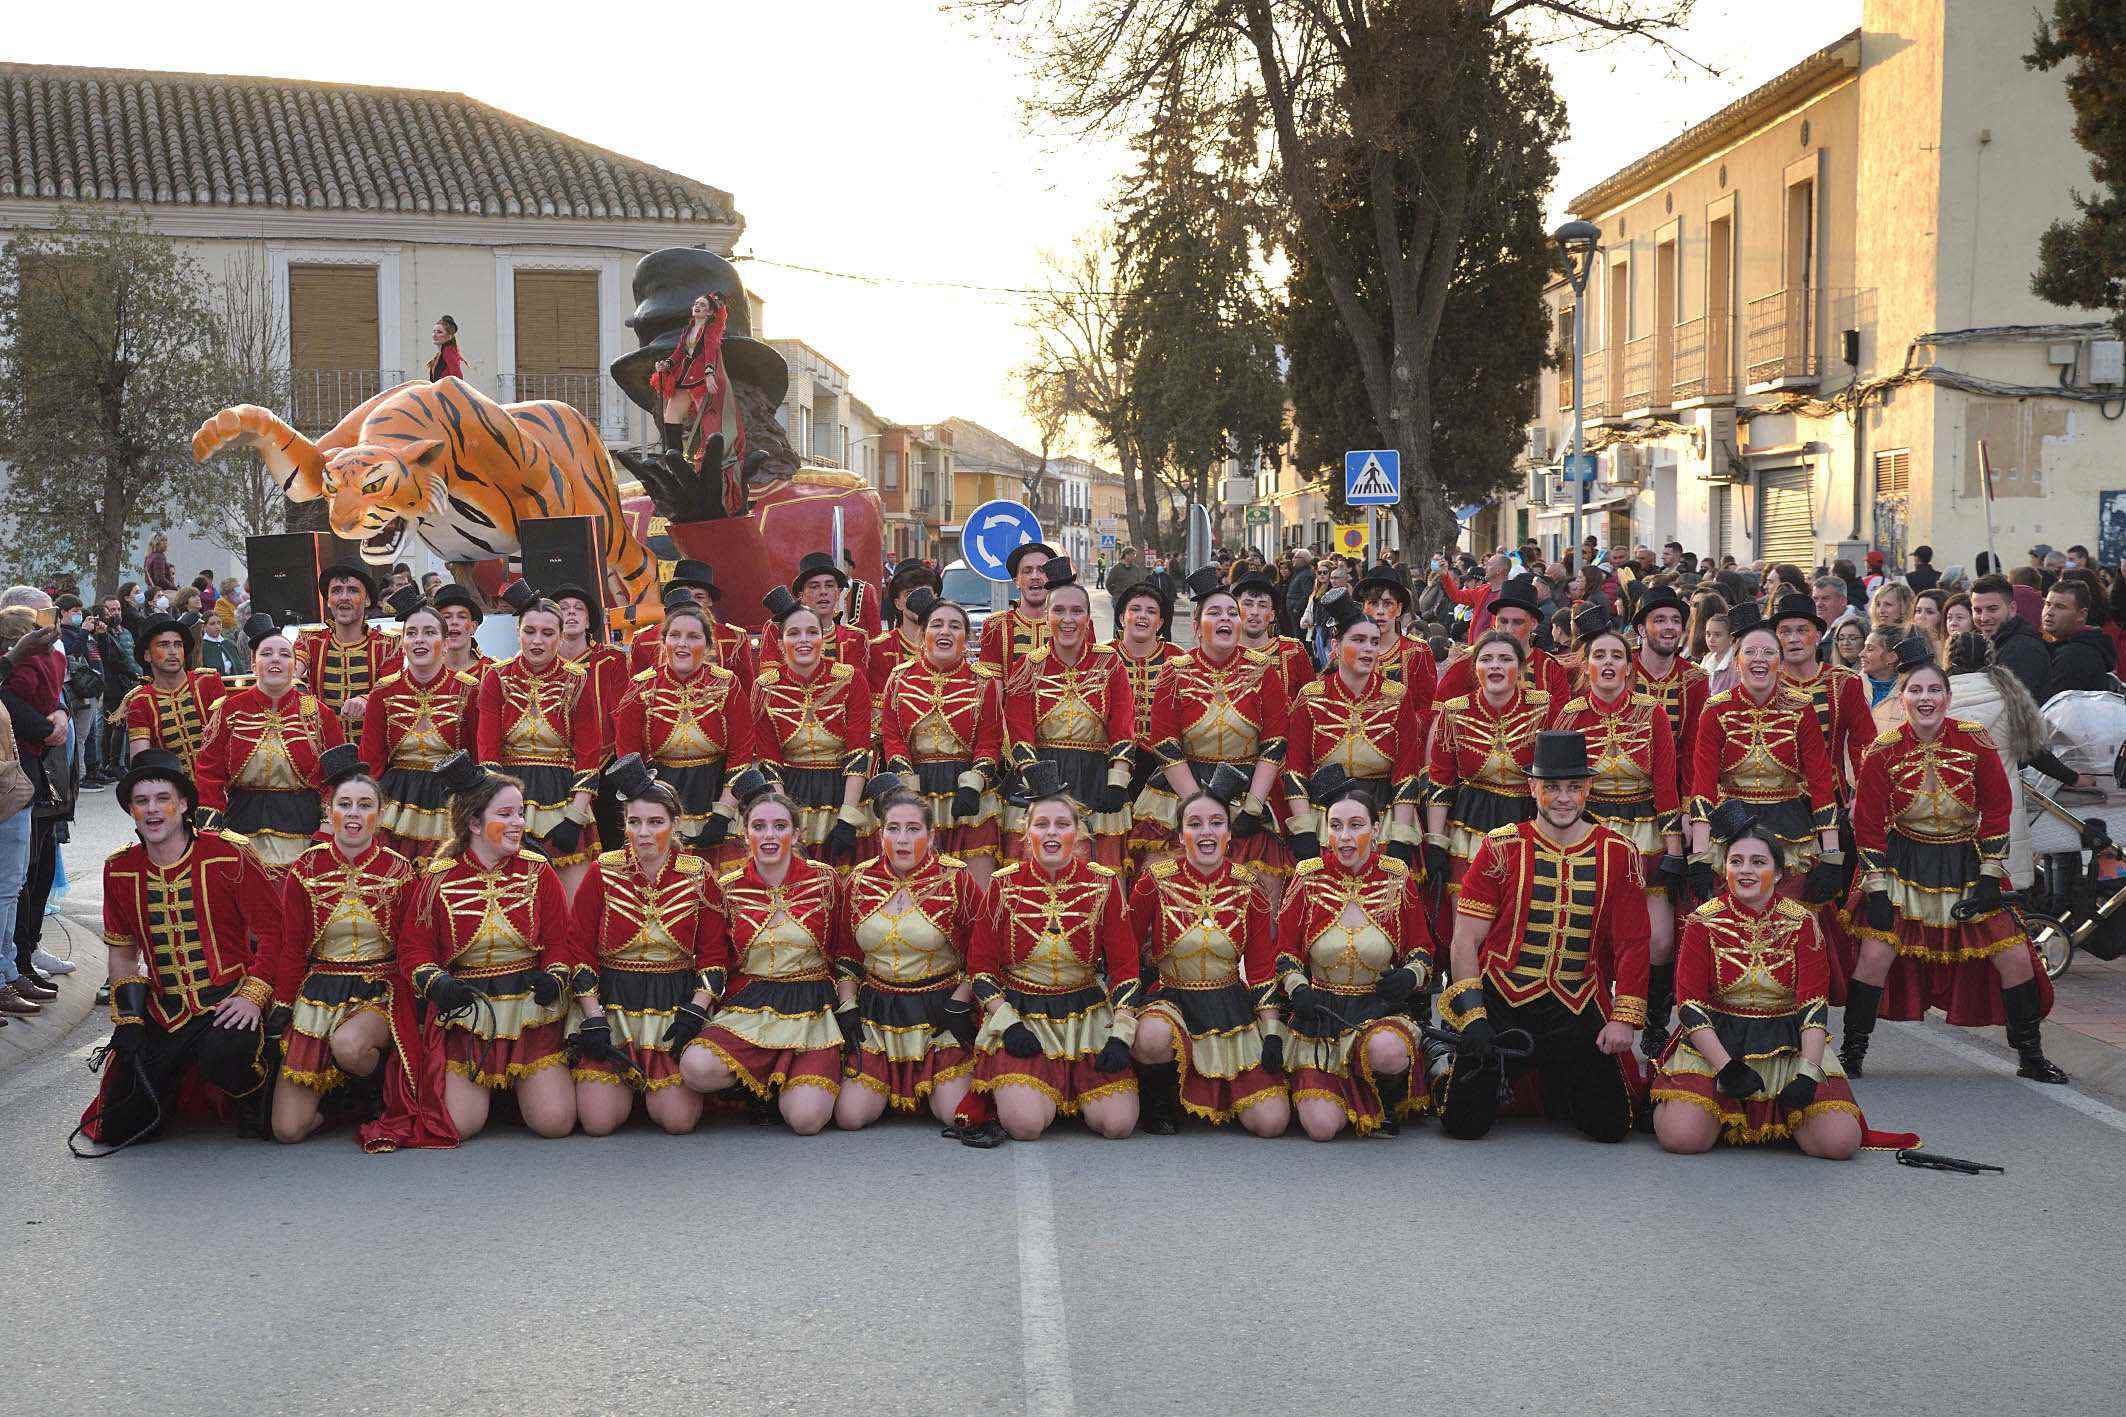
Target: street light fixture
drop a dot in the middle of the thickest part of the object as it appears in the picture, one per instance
(1578, 241)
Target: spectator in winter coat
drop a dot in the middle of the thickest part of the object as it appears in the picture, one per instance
(1923, 576)
(2017, 647)
(2082, 656)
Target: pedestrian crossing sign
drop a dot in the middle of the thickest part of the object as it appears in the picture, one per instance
(1349, 539)
(1373, 477)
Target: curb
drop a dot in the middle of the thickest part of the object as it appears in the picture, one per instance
(26, 1039)
(2092, 1066)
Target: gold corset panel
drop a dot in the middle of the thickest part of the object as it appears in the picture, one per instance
(1349, 958)
(1934, 793)
(783, 949)
(1069, 719)
(1053, 966)
(1217, 731)
(496, 943)
(1622, 750)
(354, 932)
(1748, 953)
(904, 946)
(932, 739)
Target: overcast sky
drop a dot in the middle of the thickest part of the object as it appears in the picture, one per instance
(881, 138)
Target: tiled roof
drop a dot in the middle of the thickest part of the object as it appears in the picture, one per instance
(130, 135)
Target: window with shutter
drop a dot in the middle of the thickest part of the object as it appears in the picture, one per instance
(332, 343)
(557, 338)
(1893, 473)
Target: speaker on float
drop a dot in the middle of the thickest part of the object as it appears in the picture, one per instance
(562, 551)
(283, 572)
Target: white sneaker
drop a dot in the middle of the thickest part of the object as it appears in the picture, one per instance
(51, 964)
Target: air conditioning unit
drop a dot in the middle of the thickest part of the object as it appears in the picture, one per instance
(1538, 488)
(1627, 466)
(1717, 448)
(1538, 443)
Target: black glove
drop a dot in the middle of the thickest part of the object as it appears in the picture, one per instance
(1396, 985)
(1797, 1094)
(450, 993)
(1986, 895)
(1020, 1042)
(1305, 846)
(127, 1039)
(1703, 880)
(545, 989)
(1877, 912)
(954, 1016)
(966, 802)
(852, 1021)
(565, 838)
(1113, 798)
(841, 841)
(1273, 1055)
(592, 1039)
(1822, 882)
(1405, 852)
(1475, 1048)
(277, 1020)
(1305, 998)
(1439, 866)
(1671, 871)
(1246, 823)
(687, 1023)
(1114, 1057)
(1739, 1080)
(714, 832)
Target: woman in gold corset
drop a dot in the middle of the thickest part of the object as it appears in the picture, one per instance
(258, 768)
(1068, 704)
(1352, 948)
(941, 729)
(418, 715)
(811, 732)
(1481, 748)
(897, 944)
(691, 725)
(535, 722)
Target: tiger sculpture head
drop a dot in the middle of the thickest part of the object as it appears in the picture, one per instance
(376, 494)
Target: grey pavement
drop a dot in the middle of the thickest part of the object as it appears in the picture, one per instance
(745, 1270)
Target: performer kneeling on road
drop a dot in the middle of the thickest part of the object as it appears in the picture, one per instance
(1748, 1062)
(181, 909)
(1549, 937)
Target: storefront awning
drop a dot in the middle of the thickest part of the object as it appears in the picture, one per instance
(1593, 504)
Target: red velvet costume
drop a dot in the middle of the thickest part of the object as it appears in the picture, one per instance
(1770, 755)
(1326, 1055)
(494, 930)
(1682, 692)
(258, 769)
(941, 731)
(1542, 671)
(1143, 674)
(890, 649)
(1756, 980)
(695, 366)
(1009, 638)
(1478, 768)
(606, 680)
(175, 721)
(1295, 667)
(409, 730)
(906, 963)
(776, 1028)
(1081, 717)
(729, 648)
(695, 732)
(1205, 715)
(335, 956)
(1633, 791)
(1409, 662)
(336, 672)
(1929, 820)
(844, 644)
(644, 947)
(1377, 736)
(1057, 953)
(812, 734)
(1207, 948)
(1843, 717)
(536, 725)
(196, 925)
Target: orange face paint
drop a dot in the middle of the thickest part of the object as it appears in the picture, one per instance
(495, 831)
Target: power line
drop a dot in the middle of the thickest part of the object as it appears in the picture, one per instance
(912, 282)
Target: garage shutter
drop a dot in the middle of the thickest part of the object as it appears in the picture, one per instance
(1786, 525)
(1721, 505)
(332, 342)
(557, 338)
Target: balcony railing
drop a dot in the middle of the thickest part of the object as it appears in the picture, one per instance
(320, 398)
(582, 392)
(1593, 378)
(1779, 337)
(1636, 386)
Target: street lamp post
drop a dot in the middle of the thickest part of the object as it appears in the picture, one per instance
(1578, 241)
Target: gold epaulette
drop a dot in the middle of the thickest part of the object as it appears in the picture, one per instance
(1164, 870)
(613, 858)
(389, 679)
(1099, 870)
(1389, 688)
(1456, 705)
(313, 848)
(841, 671)
(949, 860)
(113, 856)
(1395, 864)
(537, 858)
(1505, 833)
(437, 865)
(468, 677)
(1790, 908)
(983, 669)
(1310, 690)
(644, 677)
(1308, 867)
(1257, 656)
(1709, 911)
(1247, 871)
(1539, 696)
(1014, 869)
(236, 839)
(687, 865)
(1978, 732)
(769, 674)
(725, 878)
(1888, 735)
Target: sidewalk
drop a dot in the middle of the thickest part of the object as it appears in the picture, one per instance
(2086, 1033)
(25, 1039)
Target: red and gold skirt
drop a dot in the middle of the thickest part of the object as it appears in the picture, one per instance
(511, 1037)
(639, 1005)
(548, 789)
(1332, 1065)
(327, 998)
(1218, 1047)
(778, 1033)
(1684, 1076)
(1073, 1027)
(1942, 962)
(904, 1056)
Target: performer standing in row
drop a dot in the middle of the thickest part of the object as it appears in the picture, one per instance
(334, 967)
(462, 617)
(1354, 718)
(942, 731)
(1750, 1060)
(1662, 674)
(584, 646)
(1353, 947)
(1633, 791)
(732, 649)
(690, 723)
(777, 1033)
(903, 915)
(1549, 939)
(485, 944)
(1836, 695)
(171, 709)
(902, 640)
(1141, 615)
(1208, 1038)
(1482, 745)
(1068, 703)
(418, 716)
(342, 664)
(1055, 969)
(648, 963)
(1008, 639)
(1257, 597)
(1404, 659)
(1931, 818)
(181, 910)
(812, 731)
(1514, 612)
(258, 769)
(535, 724)
(819, 586)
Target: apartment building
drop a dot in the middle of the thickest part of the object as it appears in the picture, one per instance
(915, 489)
(1809, 328)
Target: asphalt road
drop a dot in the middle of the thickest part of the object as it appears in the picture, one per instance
(745, 1270)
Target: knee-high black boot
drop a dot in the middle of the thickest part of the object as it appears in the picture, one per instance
(1394, 1089)
(1159, 1088)
(1861, 1002)
(2023, 1028)
(1660, 1000)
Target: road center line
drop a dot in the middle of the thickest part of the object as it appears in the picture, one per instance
(1044, 1341)
(2067, 1097)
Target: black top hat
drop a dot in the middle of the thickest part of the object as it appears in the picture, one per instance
(628, 778)
(1020, 553)
(1041, 778)
(1205, 582)
(1732, 818)
(1060, 572)
(1591, 619)
(1560, 755)
(344, 570)
(912, 571)
(1745, 617)
(665, 285)
(1333, 782)
(341, 760)
(1659, 598)
(1517, 594)
(1228, 784)
(1914, 650)
(164, 625)
(404, 601)
(697, 574)
(921, 601)
(749, 785)
(781, 604)
(879, 787)
(1792, 607)
(1257, 580)
(519, 596)
(1382, 576)
(818, 563)
(459, 595)
(1341, 610)
(459, 773)
(258, 626)
(159, 765)
(676, 596)
(572, 591)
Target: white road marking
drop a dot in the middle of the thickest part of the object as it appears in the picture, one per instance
(2067, 1097)
(1044, 1340)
